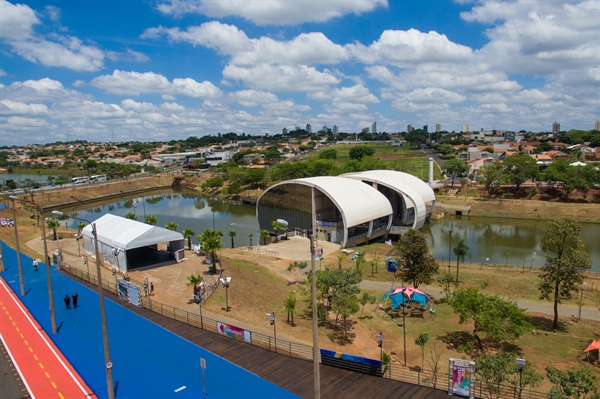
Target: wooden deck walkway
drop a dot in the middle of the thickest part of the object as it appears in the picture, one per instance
(294, 375)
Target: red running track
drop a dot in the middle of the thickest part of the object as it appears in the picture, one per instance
(45, 372)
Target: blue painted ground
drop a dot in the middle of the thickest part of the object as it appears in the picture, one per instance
(149, 361)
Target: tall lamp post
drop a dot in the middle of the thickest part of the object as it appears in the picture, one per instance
(271, 317)
(521, 363)
(317, 376)
(226, 282)
(20, 266)
(107, 362)
(449, 249)
(58, 240)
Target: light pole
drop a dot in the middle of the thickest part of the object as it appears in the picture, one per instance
(200, 294)
(380, 344)
(49, 279)
(107, 362)
(271, 317)
(226, 282)
(404, 316)
(19, 265)
(58, 240)
(316, 372)
(521, 363)
(449, 249)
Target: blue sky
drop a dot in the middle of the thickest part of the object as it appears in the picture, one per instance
(170, 69)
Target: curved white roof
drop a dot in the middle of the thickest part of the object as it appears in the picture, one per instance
(417, 184)
(123, 233)
(397, 183)
(358, 203)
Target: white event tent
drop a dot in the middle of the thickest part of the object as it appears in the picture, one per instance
(121, 241)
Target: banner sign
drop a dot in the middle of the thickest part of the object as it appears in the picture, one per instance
(234, 332)
(351, 358)
(462, 378)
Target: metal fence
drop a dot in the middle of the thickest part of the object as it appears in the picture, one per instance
(437, 380)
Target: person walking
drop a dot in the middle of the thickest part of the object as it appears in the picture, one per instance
(35, 265)
(75, 298)
(67, 301)
(151, 288)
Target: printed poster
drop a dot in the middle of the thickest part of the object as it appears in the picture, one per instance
(234, 332)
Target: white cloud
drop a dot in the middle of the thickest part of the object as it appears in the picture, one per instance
(17, 21)
(11, 108)
(355, 94)
(43, 90)
(284, 78)
(2, 72)
(254, 98)
(135, 83)
(273, 12)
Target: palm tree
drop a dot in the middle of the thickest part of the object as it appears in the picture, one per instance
(341, 256)
(386, 362)
(232, 233)
(171, 226)
(264, 235)
(131, 216)
(460, 250)
(211, 242)
(276, 226)
(194, 280)
(189, 233)
(52, 224)
(250, 235)
(289, 305)
(151, 219)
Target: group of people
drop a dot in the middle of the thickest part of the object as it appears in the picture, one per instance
(6, 222)
(74, 298)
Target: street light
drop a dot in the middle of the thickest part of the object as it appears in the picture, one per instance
(20, 266)
(225, 282)
(380, 344)
(317, 376)
(449, 249)
(271, 317)
(521, 363)
(107, 362)
(58, 240)
(49, 279)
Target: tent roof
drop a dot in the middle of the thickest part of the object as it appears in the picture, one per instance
(595, 345)
(125, 234)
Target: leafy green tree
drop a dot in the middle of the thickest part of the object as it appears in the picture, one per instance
(255, 176)
(498, 318)
(171, 226)
(297, 266)
(234, 188)
(193, 281)
(359, 259)
(328, 153)
(496, 370)
(455, 166)
(492, 177)
(566, 260)
(213, 182)
(189, 233)
(211, 242)
(461, 250)
(359, 151)
(289, 304)
(250, 235)
(91, 164)
(276, 226)
(341, 256)
(366, 298)
(576, 383)
(151, 220)
(345, 305)
(52, 224)
(520, 168)
(415, 260)
(421, 341)
(232, 234)
(264, 234)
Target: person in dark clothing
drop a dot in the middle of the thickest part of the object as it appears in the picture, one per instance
(151, 288)
(67, 301)
(75, 298)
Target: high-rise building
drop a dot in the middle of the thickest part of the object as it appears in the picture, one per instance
(555, 127)
(365, 130)
(284, 131)
(308, 128)
(597, 125)
(335, 129)
(465, 128)
(374, 128)
(426, 128)
(409, 128)
(438, 128)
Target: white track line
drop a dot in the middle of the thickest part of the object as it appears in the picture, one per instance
(45, 340)
(17, 367)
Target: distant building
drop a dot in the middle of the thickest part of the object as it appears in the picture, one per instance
(510, 136)
(555, 127)
(438, 128)
(426, 128)
(374, 127)
(365, 130)
(409, 128)
(335, 129)
(308, 128)
(284, 131)
(465, 128)
(597, 125)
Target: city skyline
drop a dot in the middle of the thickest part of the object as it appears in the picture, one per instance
(170, 69)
